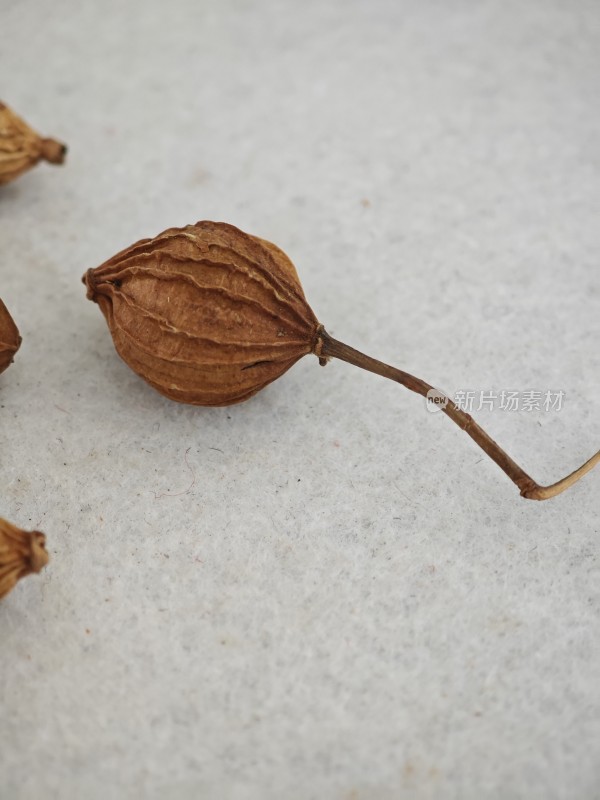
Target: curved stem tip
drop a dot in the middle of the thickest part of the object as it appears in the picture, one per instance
(328, 347)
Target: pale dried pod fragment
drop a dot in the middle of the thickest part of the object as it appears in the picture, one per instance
(21, 553)
(21, 148)
(10, 341)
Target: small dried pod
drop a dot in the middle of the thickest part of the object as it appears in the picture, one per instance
(206, 314)
(21, 553)
(10, 341)
(22, 148)
(210, 315)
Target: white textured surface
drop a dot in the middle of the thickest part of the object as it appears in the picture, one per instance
(325, 592)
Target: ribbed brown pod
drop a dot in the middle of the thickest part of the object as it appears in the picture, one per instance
(21, 147)
(206, 314)
(21, 553)
(10, 341)
(209, 315)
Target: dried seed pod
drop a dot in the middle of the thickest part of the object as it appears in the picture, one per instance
(21, 147)
(206, 314)
(210, 315)
(10, 341)
(21, 553)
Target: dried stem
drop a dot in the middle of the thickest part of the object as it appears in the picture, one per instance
(53, 151)
(328, 347)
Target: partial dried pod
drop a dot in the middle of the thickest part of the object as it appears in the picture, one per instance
(21, 553)
(10, 341)
(209, 315)
(21, 147)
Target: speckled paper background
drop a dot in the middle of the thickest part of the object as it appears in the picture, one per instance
(326, 592)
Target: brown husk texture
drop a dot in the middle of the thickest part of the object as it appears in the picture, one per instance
(10, 340)
(21, 553)
(206, 314)
(21, 147)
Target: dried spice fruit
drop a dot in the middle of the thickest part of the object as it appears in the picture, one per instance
(210, 315)
(10, 341)
(21, 553)
(21, 147)
(206, 314)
